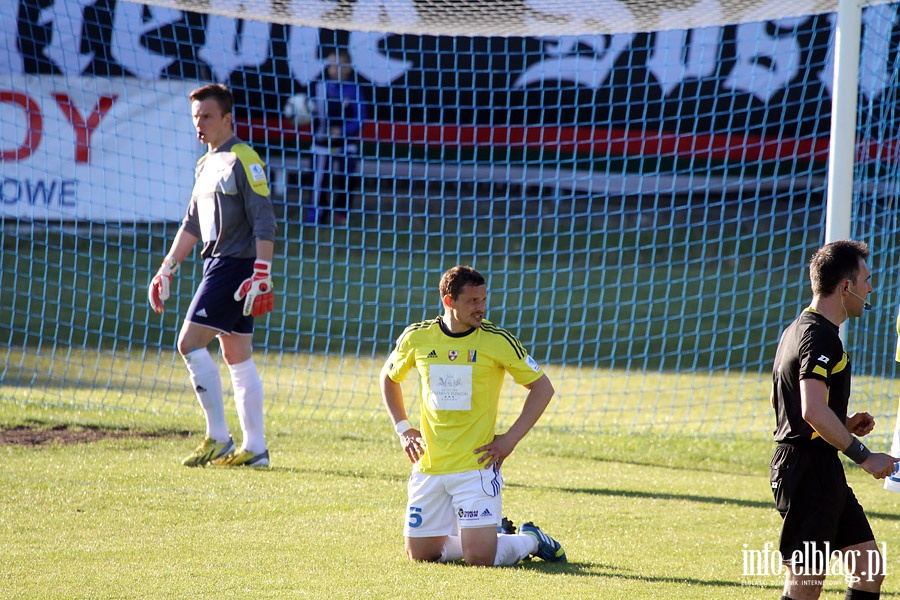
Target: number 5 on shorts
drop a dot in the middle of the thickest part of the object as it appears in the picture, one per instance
(415, 516)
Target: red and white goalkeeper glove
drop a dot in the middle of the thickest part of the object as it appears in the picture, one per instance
(257, 291)
(161, 283)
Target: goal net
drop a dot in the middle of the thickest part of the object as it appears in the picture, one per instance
(642, 183)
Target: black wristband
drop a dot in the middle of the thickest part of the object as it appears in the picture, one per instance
(857, 451)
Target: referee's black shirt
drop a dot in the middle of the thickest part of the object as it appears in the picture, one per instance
(810, 348)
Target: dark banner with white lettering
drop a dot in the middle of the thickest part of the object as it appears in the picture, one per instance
(770, 78)
(756, 92)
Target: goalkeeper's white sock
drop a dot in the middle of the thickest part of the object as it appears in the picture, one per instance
(248, 396)
(208, 386)
(452, 551)
(513, 548)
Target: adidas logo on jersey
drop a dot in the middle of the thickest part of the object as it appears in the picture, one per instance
(202, 313)
(486, 513)
(432, 354)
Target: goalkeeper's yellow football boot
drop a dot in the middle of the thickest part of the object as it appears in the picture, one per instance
(207, 451)
(242, 458)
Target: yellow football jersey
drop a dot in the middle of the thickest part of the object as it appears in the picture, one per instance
(461, 376)
(897, 357)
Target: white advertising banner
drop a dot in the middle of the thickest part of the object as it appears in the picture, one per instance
(95, 149)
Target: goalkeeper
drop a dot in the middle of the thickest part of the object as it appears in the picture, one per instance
(454, 509)
(231, 213)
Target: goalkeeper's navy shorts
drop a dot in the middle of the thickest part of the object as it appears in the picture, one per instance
(819, 509)
(214, 305)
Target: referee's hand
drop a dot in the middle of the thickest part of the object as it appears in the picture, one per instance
(860, 423)
(879, 465)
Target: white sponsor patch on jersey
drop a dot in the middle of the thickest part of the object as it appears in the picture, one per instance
(206, 213)
(257, 172)
(450, 387)
(533, 364)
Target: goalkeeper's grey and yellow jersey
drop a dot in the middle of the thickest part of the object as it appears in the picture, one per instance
(230, 207)
(460, 378)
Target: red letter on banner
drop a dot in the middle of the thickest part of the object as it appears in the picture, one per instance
(35, 125)
(84, 129)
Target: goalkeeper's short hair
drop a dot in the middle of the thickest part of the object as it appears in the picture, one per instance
(219, 92)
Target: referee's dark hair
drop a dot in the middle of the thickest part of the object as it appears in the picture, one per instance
(833, 263)
(456, 278)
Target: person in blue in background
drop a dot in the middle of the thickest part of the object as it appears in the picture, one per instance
(339, 110)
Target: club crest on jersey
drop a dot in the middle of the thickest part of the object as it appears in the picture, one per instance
(823, 359)
(452, 354)
(473, 355)
(256, 170)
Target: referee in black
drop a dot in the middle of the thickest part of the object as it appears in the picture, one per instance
(810, 393)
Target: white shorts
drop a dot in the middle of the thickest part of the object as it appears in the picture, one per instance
(443, 504)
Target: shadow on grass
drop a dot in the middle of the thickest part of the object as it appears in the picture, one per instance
(718, 500)
(694, 498)
(586, 569)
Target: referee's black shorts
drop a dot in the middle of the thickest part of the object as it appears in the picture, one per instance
(817, 505)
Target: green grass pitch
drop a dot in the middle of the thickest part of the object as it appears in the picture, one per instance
(640, 516)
